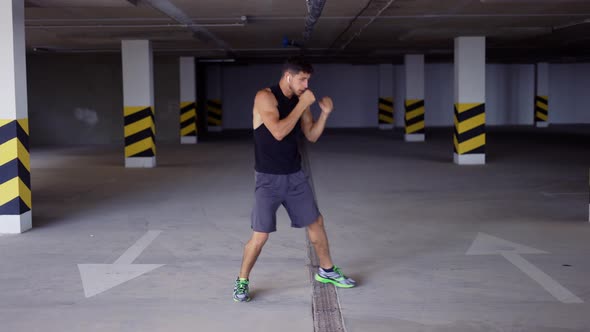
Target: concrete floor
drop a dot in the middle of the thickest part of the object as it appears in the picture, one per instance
(400, 217)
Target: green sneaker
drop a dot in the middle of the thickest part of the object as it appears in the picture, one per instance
(337, 278)
(241, 293)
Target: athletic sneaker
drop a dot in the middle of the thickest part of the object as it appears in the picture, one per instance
(336, 277)
(241, 290)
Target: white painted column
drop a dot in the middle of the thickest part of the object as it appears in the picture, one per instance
(188, 108)
(138, 98)
(414, 99)
(15, 169)
(385, 102)
(470, 69)
(214, 98)
(542, 95)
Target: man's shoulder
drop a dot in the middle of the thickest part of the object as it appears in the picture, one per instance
(265, 91)
(265, 95)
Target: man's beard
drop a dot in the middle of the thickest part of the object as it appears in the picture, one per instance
(295, 91)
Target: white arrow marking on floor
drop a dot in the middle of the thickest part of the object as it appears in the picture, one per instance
(485, 244)
(97, 278)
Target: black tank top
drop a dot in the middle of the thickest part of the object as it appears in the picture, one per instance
(278, 157)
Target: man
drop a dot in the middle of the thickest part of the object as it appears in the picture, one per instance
(281, 113)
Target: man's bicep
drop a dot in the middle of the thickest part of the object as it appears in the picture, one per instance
(267, 110)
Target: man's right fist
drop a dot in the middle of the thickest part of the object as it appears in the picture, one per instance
(307, 98)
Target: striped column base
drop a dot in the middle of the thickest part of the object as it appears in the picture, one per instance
(140, 162)
(214, 115)
(414, 120)
(414, 137)
(469, 159)
(542, 111)
(15, 224)
(469, 138)
(140, 137)
(385, 113)
(188, 122)
(188, 140)
(15, 177)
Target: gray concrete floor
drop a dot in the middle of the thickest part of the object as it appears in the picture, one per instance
(400, 218)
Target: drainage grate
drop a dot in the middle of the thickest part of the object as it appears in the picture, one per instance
(327, 316)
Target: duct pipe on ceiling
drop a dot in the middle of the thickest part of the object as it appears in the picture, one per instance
(170, 10)
(314, 11)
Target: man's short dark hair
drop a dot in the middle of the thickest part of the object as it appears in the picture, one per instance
(297, 64)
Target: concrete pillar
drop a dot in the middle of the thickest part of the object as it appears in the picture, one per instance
(214, 98)
(414, 99)
(385, 108)
(138, 99)
(470, 69)
(542, 95)
(188, 100)
(15, 169)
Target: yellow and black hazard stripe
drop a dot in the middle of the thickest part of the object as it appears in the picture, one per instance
(140, 132)
(188, 119)
(214, 112)
(541, 108)
(414, 116)
(15, 167)
(470, 135)
(385, 110)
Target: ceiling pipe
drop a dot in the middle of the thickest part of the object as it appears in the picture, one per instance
(131, 26)
(552, 2)
(200, 33)
(299, 18)
(572, 24)
(314, 11)
(138, 19)
(358, 33)
(352, 20)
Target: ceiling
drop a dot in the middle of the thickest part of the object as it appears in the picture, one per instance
(347, 30)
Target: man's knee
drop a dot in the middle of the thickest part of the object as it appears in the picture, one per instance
(258, 240)
(319, 222)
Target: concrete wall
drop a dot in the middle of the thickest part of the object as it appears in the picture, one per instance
(569, 93)
(353, 88)
(509, 93)
(241, 84)
(78, 99)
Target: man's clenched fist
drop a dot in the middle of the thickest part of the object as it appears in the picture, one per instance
(326, 105)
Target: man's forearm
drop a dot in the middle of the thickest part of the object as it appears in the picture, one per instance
(318, 127)
(286, 125)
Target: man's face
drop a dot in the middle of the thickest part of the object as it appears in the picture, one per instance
(298, 82)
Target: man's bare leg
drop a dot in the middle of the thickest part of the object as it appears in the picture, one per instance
(252, 250)
(319, 240)
(328, 272)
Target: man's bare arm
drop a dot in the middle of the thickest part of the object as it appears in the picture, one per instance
(313, 130)
(265, 105)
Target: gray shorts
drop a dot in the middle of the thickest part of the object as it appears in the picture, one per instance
(290, 190)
